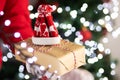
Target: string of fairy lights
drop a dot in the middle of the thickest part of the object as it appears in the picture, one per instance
(111, 7)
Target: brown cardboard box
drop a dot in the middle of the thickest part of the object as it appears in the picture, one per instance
(63, 57)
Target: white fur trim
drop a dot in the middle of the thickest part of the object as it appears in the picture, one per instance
(46, 41)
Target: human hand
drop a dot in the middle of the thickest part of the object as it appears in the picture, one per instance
(40, 72)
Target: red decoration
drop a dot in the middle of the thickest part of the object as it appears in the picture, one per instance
(45, 32)
(87, 35)
(44, 26)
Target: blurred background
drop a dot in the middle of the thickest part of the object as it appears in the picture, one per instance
(114, 43)
(92, 23)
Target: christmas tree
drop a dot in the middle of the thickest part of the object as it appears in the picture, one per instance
(84, 22)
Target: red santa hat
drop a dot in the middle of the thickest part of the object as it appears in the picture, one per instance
(45, 31)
